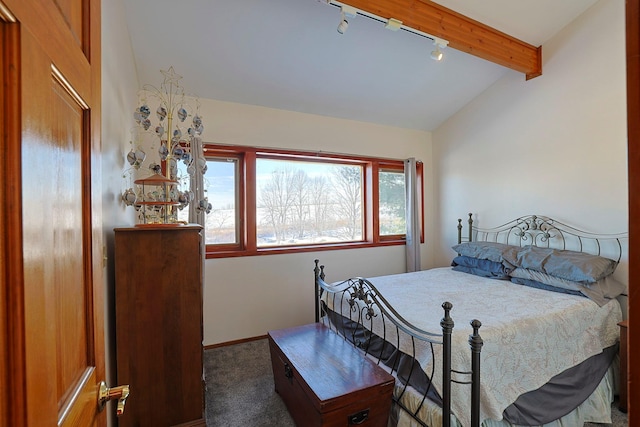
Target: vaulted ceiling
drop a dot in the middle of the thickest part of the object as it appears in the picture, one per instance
(287, 54)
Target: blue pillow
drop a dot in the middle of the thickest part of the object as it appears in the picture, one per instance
(540, 285)
(492, 251)
(481, 267)
(600, 292)
(568, 265)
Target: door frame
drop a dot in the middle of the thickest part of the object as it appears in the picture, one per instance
(632, 13)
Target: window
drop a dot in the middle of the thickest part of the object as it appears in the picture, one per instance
(271, 201)
(289, 211)
(392, 203)
(221, 182)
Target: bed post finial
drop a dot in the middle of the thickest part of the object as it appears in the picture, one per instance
(459, 230)
(447, 306)
(447, 326)
(316, 272)
(470, 226)
(475, 341)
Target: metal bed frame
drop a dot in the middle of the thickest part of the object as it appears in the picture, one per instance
(367, 306)
(543, 231)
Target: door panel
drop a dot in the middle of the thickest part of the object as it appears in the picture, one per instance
(71, 319)
(55, 313)
(72, 10)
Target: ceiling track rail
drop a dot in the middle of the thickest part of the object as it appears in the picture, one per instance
(382, 20)
(434, 21)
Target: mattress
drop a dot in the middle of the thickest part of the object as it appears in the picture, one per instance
(530, 335)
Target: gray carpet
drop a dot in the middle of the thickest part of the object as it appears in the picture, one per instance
(239, 387)
(240, 390)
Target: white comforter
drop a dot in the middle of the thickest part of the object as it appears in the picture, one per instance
(530, 335)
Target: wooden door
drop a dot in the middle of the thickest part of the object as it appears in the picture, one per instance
(633, 143)
(52, 307)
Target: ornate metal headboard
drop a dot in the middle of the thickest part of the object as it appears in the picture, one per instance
(538, 230)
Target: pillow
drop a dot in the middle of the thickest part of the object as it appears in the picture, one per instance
(538, 276)
(481, 267)
(569, 265)
(492, 251)
(540, 285)
(600, 292)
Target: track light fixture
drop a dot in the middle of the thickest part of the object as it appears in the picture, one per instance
(344, 24)
(392, 24)
(346, 11)
(436, 54)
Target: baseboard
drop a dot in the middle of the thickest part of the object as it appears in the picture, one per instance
(195, 423)
(234, 342)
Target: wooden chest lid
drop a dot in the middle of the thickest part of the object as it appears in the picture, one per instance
(333, 371)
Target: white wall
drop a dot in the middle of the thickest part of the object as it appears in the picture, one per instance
(247, 296)
(555, 145)
(119, 97)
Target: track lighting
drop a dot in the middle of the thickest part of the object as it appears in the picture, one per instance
(439, 44)
(392, 24)
(346, 11)
(436, 54)
(344, 24)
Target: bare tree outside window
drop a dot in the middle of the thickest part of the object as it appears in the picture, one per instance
(306, 202)
(277, 201)
(321, 206)
(347, 185)
(392, 205)
(221, 225)
(301, 186)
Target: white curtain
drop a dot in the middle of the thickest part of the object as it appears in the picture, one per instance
(412, 211)
(196, 212)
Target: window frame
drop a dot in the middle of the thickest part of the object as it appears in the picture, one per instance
(247, 156)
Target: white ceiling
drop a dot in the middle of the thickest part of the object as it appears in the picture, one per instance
(287, 54)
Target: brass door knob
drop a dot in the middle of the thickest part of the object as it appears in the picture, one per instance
(106, 394)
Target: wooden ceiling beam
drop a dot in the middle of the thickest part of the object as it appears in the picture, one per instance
(462, 33)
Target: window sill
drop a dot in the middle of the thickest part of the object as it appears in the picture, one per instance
(299, 249)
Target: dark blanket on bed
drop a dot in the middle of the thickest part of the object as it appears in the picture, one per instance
(563, 393)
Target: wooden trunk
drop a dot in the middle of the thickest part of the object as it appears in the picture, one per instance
(159, 324)
(325, 381)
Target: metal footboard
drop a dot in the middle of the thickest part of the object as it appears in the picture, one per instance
(371, 324)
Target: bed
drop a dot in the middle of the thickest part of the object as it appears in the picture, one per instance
(540, 344)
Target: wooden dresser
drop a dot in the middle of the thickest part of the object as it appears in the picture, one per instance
(158, 304)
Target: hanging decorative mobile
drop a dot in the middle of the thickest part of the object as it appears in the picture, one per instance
(159, 197)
